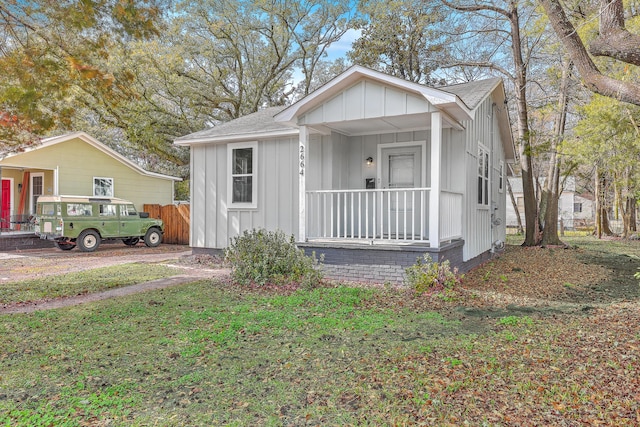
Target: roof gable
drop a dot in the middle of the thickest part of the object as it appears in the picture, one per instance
(86, 138)
(448, 102)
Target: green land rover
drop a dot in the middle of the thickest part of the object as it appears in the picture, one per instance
(85, 221)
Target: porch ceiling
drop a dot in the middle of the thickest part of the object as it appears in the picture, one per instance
(376, 125)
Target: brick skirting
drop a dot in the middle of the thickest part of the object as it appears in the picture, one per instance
(376, 263)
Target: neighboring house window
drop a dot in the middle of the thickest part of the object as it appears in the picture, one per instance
(577, 207)
(483, 176)
(103, 187)
(242, 184)
(501, 177)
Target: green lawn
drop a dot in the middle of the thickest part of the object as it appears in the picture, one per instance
(82, 282)
(211, 353)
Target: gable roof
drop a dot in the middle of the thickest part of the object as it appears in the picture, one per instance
(444, 101)
(473, 93)
(458, 102)
(52, 141)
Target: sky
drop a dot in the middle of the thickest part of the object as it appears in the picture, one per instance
(342, 46)
(337, 50)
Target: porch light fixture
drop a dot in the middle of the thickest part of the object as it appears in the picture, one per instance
(369, 160)
(20, 188)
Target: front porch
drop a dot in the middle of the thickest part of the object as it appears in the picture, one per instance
(382, 216)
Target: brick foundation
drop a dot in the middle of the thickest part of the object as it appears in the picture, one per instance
(376, 263)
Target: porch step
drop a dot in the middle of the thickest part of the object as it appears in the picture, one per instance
(21, 241)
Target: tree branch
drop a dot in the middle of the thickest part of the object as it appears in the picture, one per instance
(615, 41)
(592, 78)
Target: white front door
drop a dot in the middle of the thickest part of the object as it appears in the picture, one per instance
(401, 168)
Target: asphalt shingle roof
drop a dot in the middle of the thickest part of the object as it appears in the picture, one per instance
(472, 93)
(258, 122)
(262, 121)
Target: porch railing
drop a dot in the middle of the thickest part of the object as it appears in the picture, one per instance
(450, 215)
(380, 214)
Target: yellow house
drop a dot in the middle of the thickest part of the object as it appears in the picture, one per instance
(75, 164)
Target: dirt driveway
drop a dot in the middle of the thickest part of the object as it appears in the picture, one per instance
(34, 263)
(39, 263)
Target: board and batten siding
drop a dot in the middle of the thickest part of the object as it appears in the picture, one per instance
(366, 99)
(213, 222)
(477, 229)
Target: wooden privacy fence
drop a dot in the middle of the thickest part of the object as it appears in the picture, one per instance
(176, 222)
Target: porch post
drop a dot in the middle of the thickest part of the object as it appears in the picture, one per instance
(56, 174)
(302, 166)
(434, 193)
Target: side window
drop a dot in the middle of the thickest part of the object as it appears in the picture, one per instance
(483, 176)
(501, 177)
(242, 164)
(128, 210)
(79, 209)
(108, 210)
(102, 187)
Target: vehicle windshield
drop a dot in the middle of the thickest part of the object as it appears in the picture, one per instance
(129, 210)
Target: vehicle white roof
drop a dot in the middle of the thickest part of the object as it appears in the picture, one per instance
(82, 199)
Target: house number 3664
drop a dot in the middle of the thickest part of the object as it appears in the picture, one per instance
(301, 160)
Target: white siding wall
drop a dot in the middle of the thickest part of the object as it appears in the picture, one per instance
(477, 229)
(213, 224)
(366, 99)
(337, 162)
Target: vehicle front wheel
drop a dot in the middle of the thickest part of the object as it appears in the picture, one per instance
(153, 237)
(88, 241)
(131, 241)
(65, 246)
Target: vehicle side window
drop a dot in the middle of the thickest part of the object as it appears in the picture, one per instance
(108, 210)
(79, 209)
(47, 209)
(128, 210)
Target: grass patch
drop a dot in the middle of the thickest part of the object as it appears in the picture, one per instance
(203, 354)
(209, 353)
(82, 282)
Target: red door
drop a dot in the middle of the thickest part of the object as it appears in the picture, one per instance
(6, 203)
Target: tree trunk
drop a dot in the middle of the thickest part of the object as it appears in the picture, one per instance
(532, 235)
(598, 228)
(602, 220)
(551, 192)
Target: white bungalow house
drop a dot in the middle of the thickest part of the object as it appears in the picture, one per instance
(370, 170)
(575, 210)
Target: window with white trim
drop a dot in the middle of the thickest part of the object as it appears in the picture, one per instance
(242, 163)
(483, 176)
(102, 187)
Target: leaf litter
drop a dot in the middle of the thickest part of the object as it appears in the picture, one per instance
(541, 336)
